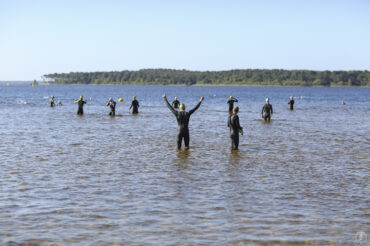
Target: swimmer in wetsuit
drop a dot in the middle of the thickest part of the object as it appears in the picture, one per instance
(51, 102)
(183, 118)
(134, 105)
(235, 128)
(175, 103)
(267, 110)
(291, 103)
(80, 102)
(231, 101)
(112, 105)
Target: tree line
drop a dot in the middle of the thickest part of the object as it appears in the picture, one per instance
(278, 77)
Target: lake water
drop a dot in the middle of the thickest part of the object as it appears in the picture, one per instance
(302, 179)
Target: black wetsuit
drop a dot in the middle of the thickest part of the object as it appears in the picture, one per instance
(176, 103)
(51, 102)
(267, 111)
(183, 118)
(231, 104)
(80, 110)
(135, 106)
(233, 124)
(112, 105)
(291, 102)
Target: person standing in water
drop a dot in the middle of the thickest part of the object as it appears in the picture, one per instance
(175, 103)
(183, 118)
(267, 110)
(235, 128)
(231, 101)
(80, 102)
(51, 102)
(291, 102)
(134, 105)
(112, 105)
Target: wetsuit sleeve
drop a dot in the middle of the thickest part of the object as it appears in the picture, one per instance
(235, 100)
(195, 108)
(170, 107)
(130, 106)
(272, 110)
(262, 110)
(237, 122)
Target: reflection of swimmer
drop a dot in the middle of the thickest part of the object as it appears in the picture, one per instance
(183, 118)
(267, 110)
(291, 102)
(80, 103)
(343, 103)
(51, 102)
(235, 128)
(231, 101)
(134, 105)
(175, 103)
(112, 105)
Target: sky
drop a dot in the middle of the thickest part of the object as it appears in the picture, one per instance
(52, 36)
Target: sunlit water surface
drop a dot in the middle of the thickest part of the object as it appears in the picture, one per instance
(302, 179)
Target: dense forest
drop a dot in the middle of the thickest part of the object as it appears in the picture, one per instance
(231, 77)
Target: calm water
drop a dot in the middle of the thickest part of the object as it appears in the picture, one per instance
(302, 179)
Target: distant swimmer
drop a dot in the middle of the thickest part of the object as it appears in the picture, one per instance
(267, 110)
(80, 102)
(112, 105)
(183, 118)
(235, 128)
(51, 101)
(291, 103)
(343, 103)
(175, 103)
(231, 101)
(59, 103)
(134, 105)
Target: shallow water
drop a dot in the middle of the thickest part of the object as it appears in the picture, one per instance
(302, 179)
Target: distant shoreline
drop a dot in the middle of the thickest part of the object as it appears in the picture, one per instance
(207, 85)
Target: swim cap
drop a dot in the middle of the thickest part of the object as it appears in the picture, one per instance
(267, 99)
(182, 106)
(81, 97)
(110, 99)
(52, 96)
(231, 97)
(175, 98)
(291, 98)
(133, 98)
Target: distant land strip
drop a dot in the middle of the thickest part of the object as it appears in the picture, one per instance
(273, 77)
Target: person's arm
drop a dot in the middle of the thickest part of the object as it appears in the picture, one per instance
(237, 122)
(235, 100)
(108, 104)
(197, 106)
(169, 105)
(271, 109)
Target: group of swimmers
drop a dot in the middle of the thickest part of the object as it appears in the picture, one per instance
(183, 117)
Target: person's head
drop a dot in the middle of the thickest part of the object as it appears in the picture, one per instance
(267, 100)
(134, 98)
(175, 98)
(52, 97)
(110, 99)
(291, 98)
(182, 107)
(81, 97)
(230, 97)
(235, 109)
